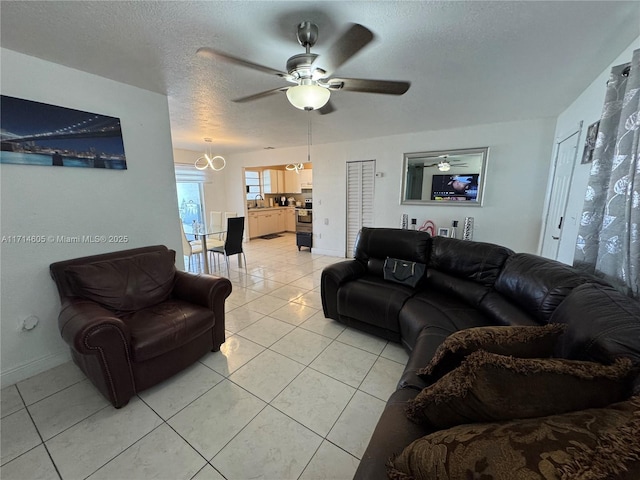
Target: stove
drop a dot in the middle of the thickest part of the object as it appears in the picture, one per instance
(304, 227)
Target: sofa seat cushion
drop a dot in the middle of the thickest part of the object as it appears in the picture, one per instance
(594, 444)
(488, 387)
(373, 300)
(440, 312)
(125, 284)
(166, 326)
(393, 432)
(521, 342)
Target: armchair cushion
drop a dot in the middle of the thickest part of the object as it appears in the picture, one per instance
(517, 341)
(125, 284)
(160, 328)
(595, 444)
(488, 387)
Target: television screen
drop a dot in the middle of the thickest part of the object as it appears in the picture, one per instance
(462, 187)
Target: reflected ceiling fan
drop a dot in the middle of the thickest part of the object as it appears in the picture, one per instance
(444, 163)
(311, 74)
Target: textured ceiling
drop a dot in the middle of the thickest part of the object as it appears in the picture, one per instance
(468, 62)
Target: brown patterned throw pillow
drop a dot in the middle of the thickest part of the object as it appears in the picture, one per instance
(488, 387)
(517, 341)
(595, 444)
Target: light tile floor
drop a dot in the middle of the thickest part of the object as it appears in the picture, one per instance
(291, 395)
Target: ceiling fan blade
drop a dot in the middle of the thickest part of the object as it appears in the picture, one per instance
(387, 87)
(257, 96)
(328, 108)
(351, 42)
(214, 54)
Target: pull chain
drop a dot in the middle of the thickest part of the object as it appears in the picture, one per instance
(309, 140)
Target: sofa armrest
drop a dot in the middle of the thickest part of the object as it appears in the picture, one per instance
(205, 290)
(332, 277)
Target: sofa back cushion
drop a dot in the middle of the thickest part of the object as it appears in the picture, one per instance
(602, 324)
(476, 261)
(374, 245)
(464, 269)
(538, 285)
(125, 284)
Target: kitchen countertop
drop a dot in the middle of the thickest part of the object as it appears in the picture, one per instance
(267, 209)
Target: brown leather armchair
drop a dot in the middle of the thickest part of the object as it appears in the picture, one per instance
(132, 320)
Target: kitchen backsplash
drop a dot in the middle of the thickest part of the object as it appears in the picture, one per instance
(298, 197)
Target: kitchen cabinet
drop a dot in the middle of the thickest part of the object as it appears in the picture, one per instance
(292, 182)
(273, 181)
(253, 225)
(306, 178)
(290, 220)
(267, 221)
(279, 220)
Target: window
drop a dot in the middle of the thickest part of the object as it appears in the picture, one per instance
(189, 184)
(252, 182)
(190, 202)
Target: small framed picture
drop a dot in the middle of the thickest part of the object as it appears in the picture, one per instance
(443, 232)
(590, 143)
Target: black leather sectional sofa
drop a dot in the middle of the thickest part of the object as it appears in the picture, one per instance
(466, 284)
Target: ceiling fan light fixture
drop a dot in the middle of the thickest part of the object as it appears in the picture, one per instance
(308, 96)
(444, 166)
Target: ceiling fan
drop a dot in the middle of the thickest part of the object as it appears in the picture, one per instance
(444, 164)
(311, 74)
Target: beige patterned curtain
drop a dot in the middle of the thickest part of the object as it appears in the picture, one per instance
(608, 241)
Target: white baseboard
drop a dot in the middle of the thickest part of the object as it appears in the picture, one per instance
(29, 369)
(331, 253)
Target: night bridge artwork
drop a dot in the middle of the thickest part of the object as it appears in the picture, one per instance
(34, 133)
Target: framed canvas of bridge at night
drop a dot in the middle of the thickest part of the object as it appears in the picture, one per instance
(34, 133)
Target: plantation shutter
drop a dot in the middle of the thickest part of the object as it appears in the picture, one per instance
(360, 184)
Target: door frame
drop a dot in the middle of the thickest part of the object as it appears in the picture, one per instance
(552, 174)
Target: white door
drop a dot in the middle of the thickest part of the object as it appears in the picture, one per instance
(566, 151)
(360, 182)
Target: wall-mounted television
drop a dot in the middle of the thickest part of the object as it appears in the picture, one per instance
(455, 188)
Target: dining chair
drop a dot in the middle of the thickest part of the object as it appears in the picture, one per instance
(233, 242)
(215, 224)
(189, 249)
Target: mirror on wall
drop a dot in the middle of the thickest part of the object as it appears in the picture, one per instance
(445, 177)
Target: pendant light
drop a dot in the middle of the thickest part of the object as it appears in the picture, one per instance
(208, 160)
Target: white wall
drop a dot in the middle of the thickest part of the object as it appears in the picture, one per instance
(517, 172)
(586, 108)
(139, 202)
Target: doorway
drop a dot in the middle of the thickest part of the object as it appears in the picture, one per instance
(360, 189)
(566, 152)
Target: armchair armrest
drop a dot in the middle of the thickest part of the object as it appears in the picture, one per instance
(332, 277)
(100, 345)
(80, 323)
(205, 290)
(208, 291)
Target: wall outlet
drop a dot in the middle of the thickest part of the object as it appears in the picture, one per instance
(30, 322)
(326, 221)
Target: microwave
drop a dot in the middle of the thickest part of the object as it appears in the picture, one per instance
(308, 203)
